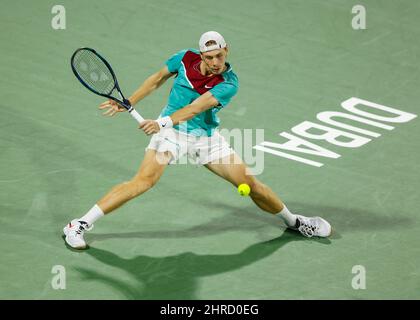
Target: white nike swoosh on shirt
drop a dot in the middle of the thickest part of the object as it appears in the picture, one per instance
(207, 87)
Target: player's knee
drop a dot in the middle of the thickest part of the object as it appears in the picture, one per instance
(149, 182)
(256, 186)
(253, 183)
(128, 188)
(142, 184)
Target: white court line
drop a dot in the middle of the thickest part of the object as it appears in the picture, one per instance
(46, 173)
(370, 41)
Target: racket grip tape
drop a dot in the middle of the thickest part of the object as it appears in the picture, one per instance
(136, 115)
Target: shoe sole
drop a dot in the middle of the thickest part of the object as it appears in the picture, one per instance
(71, 248)
(326, 222)
(65, 231)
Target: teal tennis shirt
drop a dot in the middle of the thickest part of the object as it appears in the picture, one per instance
(189, 84)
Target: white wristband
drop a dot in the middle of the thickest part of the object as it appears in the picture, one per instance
(165, 122)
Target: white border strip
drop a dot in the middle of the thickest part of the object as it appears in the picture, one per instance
(186, 77)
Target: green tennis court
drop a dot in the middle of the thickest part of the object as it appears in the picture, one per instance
(192, 236)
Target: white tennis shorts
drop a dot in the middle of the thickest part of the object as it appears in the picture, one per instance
(201, 149)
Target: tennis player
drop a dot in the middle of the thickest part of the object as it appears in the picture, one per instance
(204, 84)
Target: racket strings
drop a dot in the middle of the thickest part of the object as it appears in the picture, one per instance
(94, 72)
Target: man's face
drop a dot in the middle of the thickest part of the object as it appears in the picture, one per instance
(215, 60)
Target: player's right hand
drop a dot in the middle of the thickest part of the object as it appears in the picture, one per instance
(111, 107)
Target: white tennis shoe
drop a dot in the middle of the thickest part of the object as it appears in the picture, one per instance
(74, 233)
(312, 226)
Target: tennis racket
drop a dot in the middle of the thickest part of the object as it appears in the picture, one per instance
(96, 74)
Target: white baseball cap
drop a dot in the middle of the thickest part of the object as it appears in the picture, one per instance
(211, 36)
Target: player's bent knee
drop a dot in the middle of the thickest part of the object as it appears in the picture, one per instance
(253, 183)
(142, 184)
(256, 187)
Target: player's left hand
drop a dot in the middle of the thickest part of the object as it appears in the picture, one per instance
(149, 127)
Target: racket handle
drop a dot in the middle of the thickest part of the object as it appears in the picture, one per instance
(136, 115)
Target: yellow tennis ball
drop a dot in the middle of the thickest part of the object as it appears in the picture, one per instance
(244, 189)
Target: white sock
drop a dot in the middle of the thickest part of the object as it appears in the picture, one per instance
(288, 217)
(92, 215)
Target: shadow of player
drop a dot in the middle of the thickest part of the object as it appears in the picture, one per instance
(176, 277)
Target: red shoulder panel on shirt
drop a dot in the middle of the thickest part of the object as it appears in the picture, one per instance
(200, 83)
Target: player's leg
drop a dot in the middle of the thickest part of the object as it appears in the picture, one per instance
(232, 169)
(151, 169)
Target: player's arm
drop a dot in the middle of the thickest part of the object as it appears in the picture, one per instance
(199, 105)
(148, 86)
